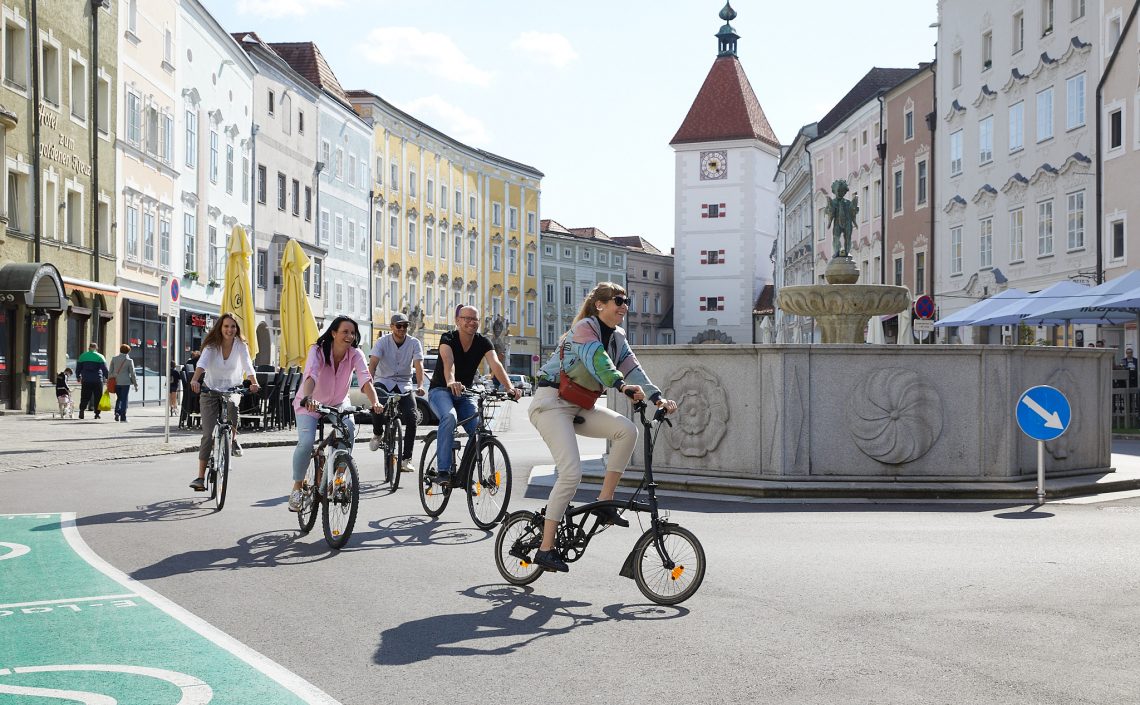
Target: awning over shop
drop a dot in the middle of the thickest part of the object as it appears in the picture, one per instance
(966, 316)
(36, 285)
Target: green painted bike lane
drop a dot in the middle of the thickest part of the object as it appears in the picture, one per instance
(75, 629)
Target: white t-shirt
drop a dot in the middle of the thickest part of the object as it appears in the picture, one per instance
(223, 373)
(394, 368)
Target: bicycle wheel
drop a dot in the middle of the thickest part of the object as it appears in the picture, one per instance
(341, 501)
(310, 501)
(489, 484)
(433, 497)
(221, 471)
(669, 586)
(393, 436)
(518, 538)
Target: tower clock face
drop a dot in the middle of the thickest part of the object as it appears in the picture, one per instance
(714, 165)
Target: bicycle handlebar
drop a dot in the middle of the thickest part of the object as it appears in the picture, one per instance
(658, 416)
(242, 388)
(339, 412)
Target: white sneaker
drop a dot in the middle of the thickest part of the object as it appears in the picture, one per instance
(295, 501)
(374, 444)
(235, 450)
(406, 466)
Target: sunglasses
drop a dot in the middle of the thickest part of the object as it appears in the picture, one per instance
(620, 301)
(399, 325)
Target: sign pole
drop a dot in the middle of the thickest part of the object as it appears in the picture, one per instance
(1041, 472)
(168, 329)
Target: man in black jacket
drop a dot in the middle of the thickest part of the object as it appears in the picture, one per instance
(91, 371)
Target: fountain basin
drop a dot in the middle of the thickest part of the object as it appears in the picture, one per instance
(842, 310)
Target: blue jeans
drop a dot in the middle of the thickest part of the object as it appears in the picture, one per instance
(122, 391)
(449, 408)
(307, 438)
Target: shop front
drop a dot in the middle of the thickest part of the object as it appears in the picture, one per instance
(31, 301)
(145, 331)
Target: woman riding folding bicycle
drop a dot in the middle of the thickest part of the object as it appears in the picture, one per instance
(224, 363)
(328, 373)
(593, 355)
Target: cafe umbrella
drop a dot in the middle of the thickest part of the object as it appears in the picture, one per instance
(298, 327)
(237, 298)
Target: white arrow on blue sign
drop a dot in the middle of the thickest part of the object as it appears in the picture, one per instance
(1043, 413)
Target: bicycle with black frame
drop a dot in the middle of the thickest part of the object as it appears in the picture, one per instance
(218, 465)
(667, 562)
(338, 492)
(392, 439)
(484, 471)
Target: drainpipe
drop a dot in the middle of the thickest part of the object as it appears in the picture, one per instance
(371, 254)
(881, 146)
(932, 124)
(93, 133)
(37, 219)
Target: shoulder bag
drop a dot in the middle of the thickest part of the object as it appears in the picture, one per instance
(111, 381)
(568, 389)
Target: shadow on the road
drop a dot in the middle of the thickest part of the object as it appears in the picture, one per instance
(268, 549)
(411, 530)
(499, 629)
(166, 510)
(1028, 513)
(367, 491)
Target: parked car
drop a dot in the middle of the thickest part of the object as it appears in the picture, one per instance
(423, 411)
(522, 383)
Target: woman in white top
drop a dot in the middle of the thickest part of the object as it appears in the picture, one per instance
(224, 363)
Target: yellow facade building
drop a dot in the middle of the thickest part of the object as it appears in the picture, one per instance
(452, 225)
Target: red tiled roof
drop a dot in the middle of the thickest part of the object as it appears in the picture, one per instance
(636, 242)
(590, 233)
(306, 59)
(766, 302)
(549, 225)
(726, 108)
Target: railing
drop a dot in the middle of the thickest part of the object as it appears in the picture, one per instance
(1125, 400)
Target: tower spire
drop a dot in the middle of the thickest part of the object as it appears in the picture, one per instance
(727, 36)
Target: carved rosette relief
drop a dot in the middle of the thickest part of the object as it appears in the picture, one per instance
(702, 415)
(894, 415)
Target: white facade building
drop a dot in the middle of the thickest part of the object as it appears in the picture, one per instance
(1015, 189)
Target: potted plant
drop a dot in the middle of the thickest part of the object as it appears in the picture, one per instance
(190, 276)
(212, 283)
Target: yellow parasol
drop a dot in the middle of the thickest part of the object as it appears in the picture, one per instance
(238, 297)
(298, 327)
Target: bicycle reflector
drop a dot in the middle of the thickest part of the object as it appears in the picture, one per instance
(677, 571)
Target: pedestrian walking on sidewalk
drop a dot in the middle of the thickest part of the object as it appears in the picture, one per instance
(593, 355)
(123, 371)
(91, 369)
(224, 363)
(175, 385)
(63, 392)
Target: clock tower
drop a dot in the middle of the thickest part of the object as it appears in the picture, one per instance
(725, 203)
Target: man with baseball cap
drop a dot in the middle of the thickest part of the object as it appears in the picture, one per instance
(392, 361)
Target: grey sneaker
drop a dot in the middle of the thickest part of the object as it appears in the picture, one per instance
(374, 444)
(406, 465)
(235, 449)
(295, 501)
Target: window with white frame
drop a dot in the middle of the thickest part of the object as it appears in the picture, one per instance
(394, 295)
(318, 269)
(1046, 17)
(73, 217)
(325, 227)
(920, 273)
(549, 292)
(513, 218)
(1115, 129)
(132, 245)
(394, 231)
(148, 238)
(411, 234)
(189, 242)
(164, 242)
(1017, 235)
(568, 295)
(429, 193)
(338, 230)
(133, 16)
(103, 104)
(308, 204)
(230, 172)
(282, 192)
(898, 271)
(531, 222)
(472, 243)
(898, 191)
(326, 155)
(191, 138)
(497, 214)
(16, 53)
(49, 72)
(262, 183)
(214, 156)
(530, 264)
(1076, 220)
(1045, 114)
(956, 250)
(956, 68)
(429, 240)
(496, 258)
(530, 313)
(908, 125)
(338, 164)
(1017, 126)
(986, 243)
(350, 235)
(78, 90)
(1116, 233)
(1018, 31)
(986, 140)
(458, 242)
(987, 50)
(352, 170)
(922, 180)
(1045, 228)
(412, 183)
(512, 311)
(443, 243)
(394, 183)
(512, 260)
(295, 197)
(956, 153)
(1075, 102)
(471, 210)
(458, 201)
(134, 119)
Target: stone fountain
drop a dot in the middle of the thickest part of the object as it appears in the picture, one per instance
(842, 307)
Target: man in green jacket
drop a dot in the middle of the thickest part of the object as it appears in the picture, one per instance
(91, 370)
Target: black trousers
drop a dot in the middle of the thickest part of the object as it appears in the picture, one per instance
(407, 417)
(89, 395)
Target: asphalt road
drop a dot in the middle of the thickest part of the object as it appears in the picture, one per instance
(843, 603)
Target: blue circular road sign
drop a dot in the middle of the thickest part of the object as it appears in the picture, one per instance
(174, 290)
(1043, 413)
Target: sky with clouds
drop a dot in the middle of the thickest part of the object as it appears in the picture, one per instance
(591, 92)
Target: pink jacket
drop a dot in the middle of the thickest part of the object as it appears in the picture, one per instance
(332, 382)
